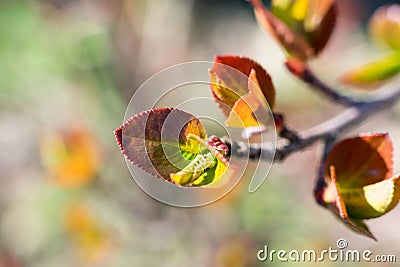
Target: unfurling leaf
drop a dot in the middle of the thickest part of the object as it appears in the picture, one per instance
(302, 27)
(171, 144)
(359, 180)
(194, 170)
(243, 90)
(373, 74)
(206, 168)
(385, 25)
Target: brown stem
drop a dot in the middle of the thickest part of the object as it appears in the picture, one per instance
(320, 181)
(343, 122)
(301, 70)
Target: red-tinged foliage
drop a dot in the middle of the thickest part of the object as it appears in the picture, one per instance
(363, 160)
(302, 28)
(216, 143)
(326, 11)
(237, 82)
(359, 181)
(243, 91)
(296, 67)
(294, 43)
(140, 138)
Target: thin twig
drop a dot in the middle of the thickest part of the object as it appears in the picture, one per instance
(283, 130)
(311, 79)
(302, 71)
(343, 122)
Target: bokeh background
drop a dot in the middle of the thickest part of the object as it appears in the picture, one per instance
(68, 69)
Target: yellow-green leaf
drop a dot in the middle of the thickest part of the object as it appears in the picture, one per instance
(373, 74)
(206, 169)
(371, 201)
(194, 170)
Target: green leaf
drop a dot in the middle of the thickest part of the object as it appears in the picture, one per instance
(198, 167)
(288, 13)
(158, 140)
(371, 75)
(385, 25)
(206, 168)
(339, 208)
(372, 201)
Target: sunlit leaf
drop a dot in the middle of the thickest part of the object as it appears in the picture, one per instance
(195, 169)
(233, 72)
(371, 75)
(336, 203)
(373, 200)
(243, 90)
(244, 112)
(224, 97)
(385, 25)
(361, 161)
(300, 9)
(155, 140)
(206, 168)
(302, 27)
(294, 43)
(171, 144)
(359, 182)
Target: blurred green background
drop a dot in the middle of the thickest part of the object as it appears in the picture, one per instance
(67, 71)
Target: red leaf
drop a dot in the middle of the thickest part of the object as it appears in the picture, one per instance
(294, 43)
(302, 27)
(239, 83)
(142, 138)
(326, 12)
(361, 161)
